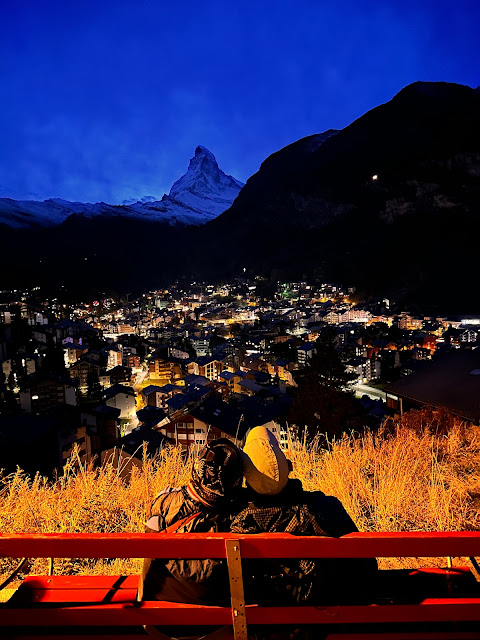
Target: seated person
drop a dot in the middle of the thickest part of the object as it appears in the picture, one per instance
(277, 503)
(203, 505)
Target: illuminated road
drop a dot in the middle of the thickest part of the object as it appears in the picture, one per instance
(366, 390)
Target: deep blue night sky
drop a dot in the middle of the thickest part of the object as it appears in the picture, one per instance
(107, 99)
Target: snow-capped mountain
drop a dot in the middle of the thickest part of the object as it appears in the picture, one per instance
(200, 195)
(203, 193)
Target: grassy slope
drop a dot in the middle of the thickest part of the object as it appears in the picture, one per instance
(406, 479)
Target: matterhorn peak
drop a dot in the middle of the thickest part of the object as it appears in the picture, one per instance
(204, 152)
(201, 194)
(203, 158)
(205, 182)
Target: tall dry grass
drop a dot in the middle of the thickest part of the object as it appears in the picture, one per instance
(400, 479)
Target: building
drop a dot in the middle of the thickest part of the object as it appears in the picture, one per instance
(79, 371)
(450, 381)
(41, 442)
(102, 428)
(209, 366)
(156, 396)
(114, 358)
(166, 369)
(120, 375)
(73, 352)
(42, 392)
(123, 398)
(304, 354)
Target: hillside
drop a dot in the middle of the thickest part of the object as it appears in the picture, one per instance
(409, 232)
(390, 204)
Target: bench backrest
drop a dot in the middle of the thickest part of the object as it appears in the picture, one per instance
(234, 547)
(212, 545)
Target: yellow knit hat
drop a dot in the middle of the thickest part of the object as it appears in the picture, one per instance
(265, 466)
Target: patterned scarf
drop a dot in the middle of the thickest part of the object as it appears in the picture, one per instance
(217, 473)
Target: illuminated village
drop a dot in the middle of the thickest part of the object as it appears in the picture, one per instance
(188, 364)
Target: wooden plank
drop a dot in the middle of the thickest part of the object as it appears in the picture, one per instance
(80, 582)
(234, 561)
(167, 613)
(271, 545)
(145, 613)
(87, 636)
(63, 596)
(405, 635)
(425, 635)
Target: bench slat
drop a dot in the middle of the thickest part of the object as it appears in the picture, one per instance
(127, 636)
(63, 596)
(167, 613)
(425, 635)
(269, 545)
(80, 582)
(436, 635)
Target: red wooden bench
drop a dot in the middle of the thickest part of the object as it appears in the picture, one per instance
(103, 606)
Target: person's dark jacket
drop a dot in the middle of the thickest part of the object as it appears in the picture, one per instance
(216, 479)
(304, 581)
(178, 580)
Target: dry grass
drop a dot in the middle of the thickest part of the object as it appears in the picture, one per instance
(402, 479)
(87, 500)
(405, 479)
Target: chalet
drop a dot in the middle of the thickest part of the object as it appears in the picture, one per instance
(282, 368)
(219, 419)
(166, 368)
(156, 396)
(120, 375)
(185, 430)
(192, 397)
(209, 366)
(73, 352)
(123, 398)
(40, 393)
(79, 371)
(114, 358)
(132, 361)
(249, 387)
(201, 381)
(102, 423)
(233, 379)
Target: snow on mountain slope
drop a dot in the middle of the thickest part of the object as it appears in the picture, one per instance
(200, 195)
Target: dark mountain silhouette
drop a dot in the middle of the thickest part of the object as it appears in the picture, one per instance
(314, 208)
(410, 233)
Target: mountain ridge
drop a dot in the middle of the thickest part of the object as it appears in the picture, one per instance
(389, 204)
(372, 204)
(198, 196)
